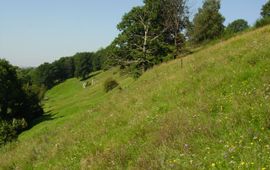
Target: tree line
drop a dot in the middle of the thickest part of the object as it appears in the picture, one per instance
(161, 30)
(80, 65)
(158, 31)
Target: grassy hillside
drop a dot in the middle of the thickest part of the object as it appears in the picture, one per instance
(214, 113)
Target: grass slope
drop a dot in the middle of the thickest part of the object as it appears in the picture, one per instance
(214, 113)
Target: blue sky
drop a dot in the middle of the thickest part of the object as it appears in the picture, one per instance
(37, 31)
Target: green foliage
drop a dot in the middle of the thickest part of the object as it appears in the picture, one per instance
(149, 33)
(136, 43)
(25, 75)
(19, 125)
(39, 90)
(99, 60)
(211, 114)
(110, 84)
(80, 65)
(237, 26)
(11, 93)
(83, 65)
(30, 108)
(45, 75)
(262, 22)
(265, 13)
(50, 74)
(18, 103)
(10, 129)
(65, 68)
(7, 132)
(208, 22)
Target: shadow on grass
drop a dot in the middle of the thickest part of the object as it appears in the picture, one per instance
(91, 75)
(48, 116)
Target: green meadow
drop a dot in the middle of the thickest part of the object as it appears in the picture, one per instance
(211, 113)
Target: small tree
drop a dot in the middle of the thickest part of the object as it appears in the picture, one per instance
(208, 22)
(237, 26)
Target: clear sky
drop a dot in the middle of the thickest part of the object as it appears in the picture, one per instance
(37, 31)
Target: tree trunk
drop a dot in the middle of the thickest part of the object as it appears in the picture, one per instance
(145, 40)
(177, 48)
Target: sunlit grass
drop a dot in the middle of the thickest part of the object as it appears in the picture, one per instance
(214, 113)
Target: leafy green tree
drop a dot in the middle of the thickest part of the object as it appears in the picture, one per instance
(175, 17)
(15, 100)
(116, 54)
(10, 90)
(138, 34)
(265, 12)
(49, 74)
(83, 64)
(25, 75)
(46, 74)
(64, 68)
(19, 105)
(148, 33)
(237, 26)
(98, 59)
(262, 22)
(208, 22)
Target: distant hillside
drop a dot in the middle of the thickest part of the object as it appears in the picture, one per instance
(214, 113)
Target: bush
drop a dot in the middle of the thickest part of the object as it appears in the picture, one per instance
(7, 132)
(110, 84)
(262, 22)
(19, 125)
(136, 73)
(237, 26)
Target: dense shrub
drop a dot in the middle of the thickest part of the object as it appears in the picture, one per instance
(236, 26)
(262, 22)
(110, 84)
(7, 132)
(19, 125)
